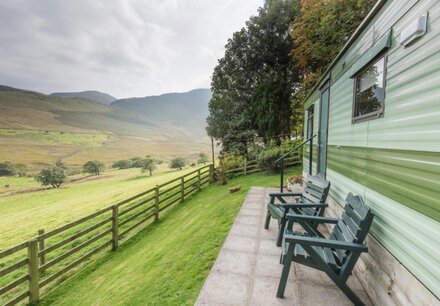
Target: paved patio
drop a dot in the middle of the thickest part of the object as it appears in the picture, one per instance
(247, 270)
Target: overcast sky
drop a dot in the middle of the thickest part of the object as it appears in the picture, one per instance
(124, 48)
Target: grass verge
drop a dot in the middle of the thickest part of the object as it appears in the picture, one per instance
(167, 263)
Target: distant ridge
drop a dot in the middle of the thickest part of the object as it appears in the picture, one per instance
(8, 88)
(91, 95)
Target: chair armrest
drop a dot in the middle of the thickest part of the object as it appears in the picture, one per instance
(327, 243)
(298, 217)
(303, 205)
(285, 194)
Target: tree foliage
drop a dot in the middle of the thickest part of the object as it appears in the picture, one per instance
(11, 169)
(54, 177)
(253, 83)
(148, 164)
(178, 163)
(203, 158)
(123, 164)
(94, 167)
(322, 30)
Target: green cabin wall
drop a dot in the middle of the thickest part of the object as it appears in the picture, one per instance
(393, 161)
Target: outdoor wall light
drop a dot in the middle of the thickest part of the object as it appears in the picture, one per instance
(414, 30)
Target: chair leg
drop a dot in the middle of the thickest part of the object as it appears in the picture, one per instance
(282, 226)
(286, 269)
(267, 223)
(350, 294)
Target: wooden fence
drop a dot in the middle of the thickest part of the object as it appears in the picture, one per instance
(252, 166)
(33, 267)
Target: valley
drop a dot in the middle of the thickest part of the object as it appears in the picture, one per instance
(37, 129)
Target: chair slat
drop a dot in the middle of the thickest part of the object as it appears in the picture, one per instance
(353, 215)
(357, 204)
(354, 228)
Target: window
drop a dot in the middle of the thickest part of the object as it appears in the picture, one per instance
(369, 91)
(310, 122)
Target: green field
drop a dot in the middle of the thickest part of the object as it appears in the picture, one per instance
(89, 140)
(37, 130)
(167, 263)
(25, 207)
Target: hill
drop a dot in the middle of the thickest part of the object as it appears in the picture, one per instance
(39, 129)
(91, 95)
(188, 109)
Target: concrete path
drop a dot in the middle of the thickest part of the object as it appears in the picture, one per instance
(247, 270)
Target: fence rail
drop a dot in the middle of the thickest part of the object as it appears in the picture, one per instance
(28, 267)
(252, 166)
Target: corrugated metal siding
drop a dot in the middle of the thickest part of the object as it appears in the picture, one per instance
(411, 122)
(410, 236)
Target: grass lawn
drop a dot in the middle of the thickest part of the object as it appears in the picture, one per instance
(24, 208)
(167, 263)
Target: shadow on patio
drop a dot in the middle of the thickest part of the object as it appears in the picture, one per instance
(247, 269)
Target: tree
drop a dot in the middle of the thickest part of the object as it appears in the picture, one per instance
(258, 57)
(54, 176)
(178, 163)
(93, 167)
(148, 165)
(123, 164)
(322, 30)
(203, 158)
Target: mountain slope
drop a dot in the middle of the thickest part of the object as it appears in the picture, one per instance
(91, 95)
(188, 109)
(40, 129)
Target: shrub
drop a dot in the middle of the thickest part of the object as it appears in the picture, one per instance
(178, 163)
(137, 162)
(123, 164)
(220, 173)
(54, 176)
(93, 167)
(267, 157)
(10, 169)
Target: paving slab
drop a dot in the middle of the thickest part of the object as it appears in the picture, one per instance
(247, 269)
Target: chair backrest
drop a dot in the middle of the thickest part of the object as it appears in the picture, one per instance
(315, 191)
(353, 226)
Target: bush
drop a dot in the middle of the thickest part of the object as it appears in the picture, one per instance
(220, 173)
(10, 169)
(54, 176)
(137, 162)
(267, 157)
(178, 163)
(93, 167)
(123, 164)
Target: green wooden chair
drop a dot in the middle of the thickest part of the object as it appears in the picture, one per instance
(337, 255)
(310, 202)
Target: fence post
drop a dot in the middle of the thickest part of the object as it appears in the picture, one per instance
(199, 186)
(115, 227)
(182, 188)
(245, 166)
(156, 203)
(211, 173)
(41, 247)
(34, 288)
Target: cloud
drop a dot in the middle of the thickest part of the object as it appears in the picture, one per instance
(125, 48)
